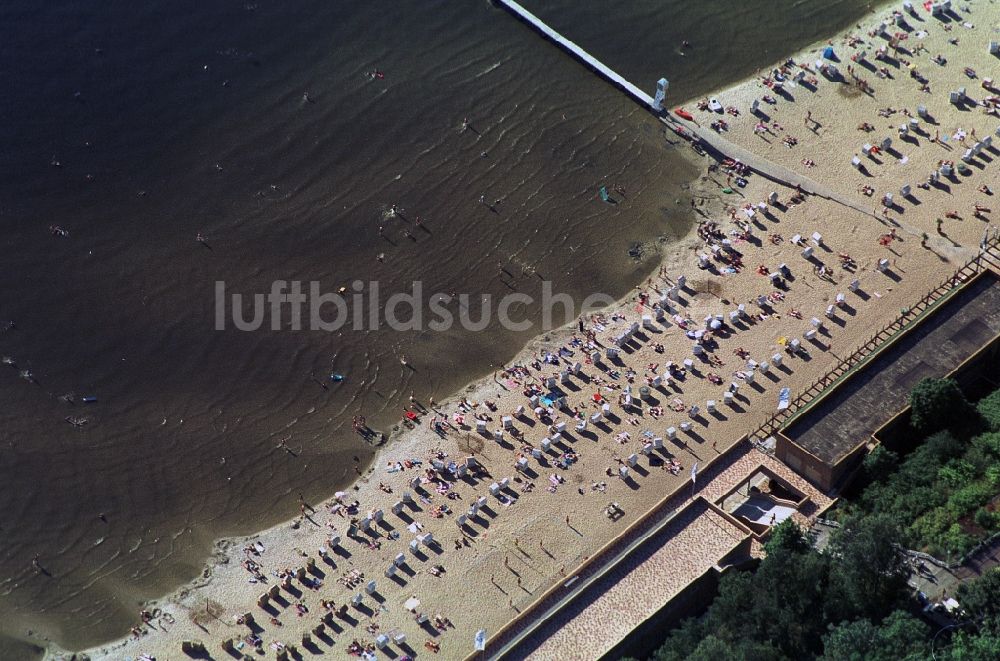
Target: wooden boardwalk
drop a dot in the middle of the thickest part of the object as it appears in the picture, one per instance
(712, 141)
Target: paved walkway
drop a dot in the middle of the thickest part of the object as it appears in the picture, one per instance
(786, 177)
(979, 562)
(759, 164)
(763, 166)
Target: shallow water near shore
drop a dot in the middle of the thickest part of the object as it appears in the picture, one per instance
(135, 128)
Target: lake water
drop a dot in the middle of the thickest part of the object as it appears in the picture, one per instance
(135, 127)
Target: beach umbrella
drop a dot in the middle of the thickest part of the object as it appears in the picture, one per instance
(828, 53)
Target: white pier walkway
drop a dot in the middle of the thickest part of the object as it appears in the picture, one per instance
(693, 131)
(578, 52)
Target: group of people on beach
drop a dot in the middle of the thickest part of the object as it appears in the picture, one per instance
(609, 385)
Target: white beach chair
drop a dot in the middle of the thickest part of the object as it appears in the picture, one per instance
(784, 398)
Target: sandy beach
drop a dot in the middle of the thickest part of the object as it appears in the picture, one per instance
(550, 517)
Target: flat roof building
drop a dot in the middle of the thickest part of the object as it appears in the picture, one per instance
(823, 440)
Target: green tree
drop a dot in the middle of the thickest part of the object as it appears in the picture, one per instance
(789, 592)
(681, 641)
(878, 464)
(981, 598)
(789, 536)
(936, 404)
(715, 649)
(989, 443)
(931, 527)
(979, 646)
(957, 473)
(969, 497)
(989, 408)
(993, 475)
(985, 519)
(954, 543)
(868, 575)
(900, 637)
(774, 613)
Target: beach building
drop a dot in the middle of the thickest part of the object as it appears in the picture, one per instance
(957, 336)
(665, 566)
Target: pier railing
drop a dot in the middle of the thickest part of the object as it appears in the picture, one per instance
(988, 258)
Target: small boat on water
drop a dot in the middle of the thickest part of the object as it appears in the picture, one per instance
(684, 114)
(714, 105)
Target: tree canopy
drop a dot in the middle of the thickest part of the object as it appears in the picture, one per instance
(937, 404)
(869, 577)
(900, 637)
(852, 602)
(980, 599)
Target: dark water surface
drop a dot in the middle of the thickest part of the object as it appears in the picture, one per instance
(135, 126)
